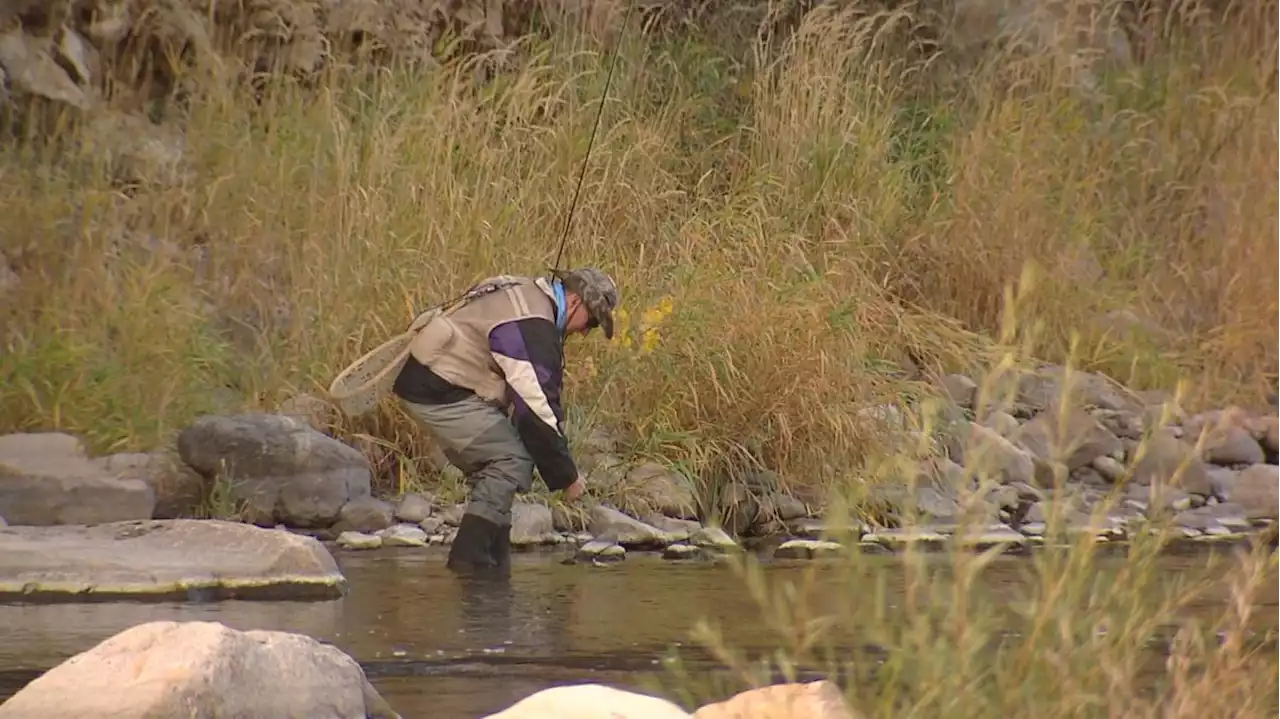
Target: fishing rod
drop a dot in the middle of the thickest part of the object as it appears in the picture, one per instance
(582, 172)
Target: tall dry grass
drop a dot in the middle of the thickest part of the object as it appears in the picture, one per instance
(823, 213)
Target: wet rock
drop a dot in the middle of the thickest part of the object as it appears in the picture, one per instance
(1257, 490)
(403, 535)
(281, 469)
(712, 538)
(179, 490)
(1157, 499)
(1234, 445)
(598, 550)
(805, 549)
(359, 540)
(1075, 439)
(662, 489)
(46, 479)
(895, 537)
(590, 700)
(685, 551)
(993, 456)
(164, 559)
(1230, 517)
(201, 669)
(1163, 463)
(531, 524)
(813, 700)
(996, 534)
(814, 528)
(959, 389)
(365, 514)
(609, 523)
(1034, 529)
(413, 508)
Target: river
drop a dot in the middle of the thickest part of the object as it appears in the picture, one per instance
(437, 646)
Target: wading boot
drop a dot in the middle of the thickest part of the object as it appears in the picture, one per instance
(501, 548)
(473, 546)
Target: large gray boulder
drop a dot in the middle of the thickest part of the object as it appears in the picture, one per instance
(278, 468)
(47, 479)
(205, 669)
(164, 560)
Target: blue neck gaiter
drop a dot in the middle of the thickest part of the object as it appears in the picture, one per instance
(557, 287)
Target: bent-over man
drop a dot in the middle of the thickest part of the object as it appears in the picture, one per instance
(485, 380)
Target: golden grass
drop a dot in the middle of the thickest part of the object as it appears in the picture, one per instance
(814, 233)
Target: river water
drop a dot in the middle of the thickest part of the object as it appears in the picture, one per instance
(436, 645)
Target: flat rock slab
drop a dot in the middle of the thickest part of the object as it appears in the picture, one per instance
(164, 560)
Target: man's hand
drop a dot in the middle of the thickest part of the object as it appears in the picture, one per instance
(575, 490)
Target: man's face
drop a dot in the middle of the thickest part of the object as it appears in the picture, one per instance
(579, 320)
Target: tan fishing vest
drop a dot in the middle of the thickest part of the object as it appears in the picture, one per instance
(455, 345)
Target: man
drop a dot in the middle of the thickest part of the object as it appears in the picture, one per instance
(501, 353)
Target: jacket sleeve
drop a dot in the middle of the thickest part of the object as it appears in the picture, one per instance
(529, 353)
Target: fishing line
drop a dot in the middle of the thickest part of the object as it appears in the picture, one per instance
(582, 172)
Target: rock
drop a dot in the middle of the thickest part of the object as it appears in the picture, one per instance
(1257, 490)
(805, 549)
(165, 559)
(413, 508)
(662, 489)
(990, 455)
(1163, 458)
(1234, 445)
(82, 57)
(590, 701)
(712, 538)
(283, 470)
(959, 389)
(1154, 499)
(531, 524)
(601, 550)
(46, 479)
(311, 411)
(783, 507)
(678, 530)
(892, 537)
(1046, 387)
(1075, 439)
(452, 516)
(1109, 467)
(31, 67)
(990, 537)
(403, 535)
(1229, 517)
(180, 491)
(365, 514)
(359, 540)
(684, 551)
(812, 700)
(631, 533)
(1221, 480)
(1270, 424)
(200, 668)
(431, 525)
(1001, 422)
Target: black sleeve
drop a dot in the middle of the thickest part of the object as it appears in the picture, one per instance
(529, 353)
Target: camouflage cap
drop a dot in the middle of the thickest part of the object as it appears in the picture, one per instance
(598, 292)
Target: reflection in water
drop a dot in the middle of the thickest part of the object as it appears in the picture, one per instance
(445, 646)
